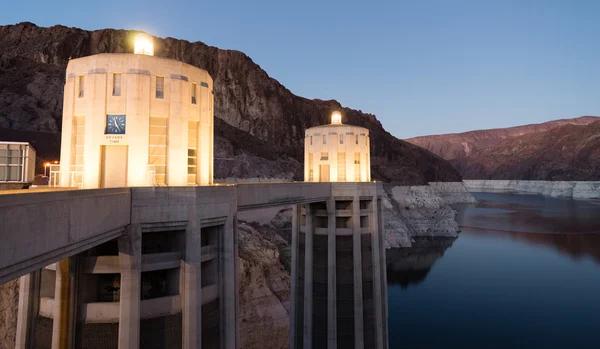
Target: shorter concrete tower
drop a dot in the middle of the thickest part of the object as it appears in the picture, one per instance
(337, 153)
(339, 288)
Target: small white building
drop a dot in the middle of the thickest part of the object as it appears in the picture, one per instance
(337, 153)
(17, 162)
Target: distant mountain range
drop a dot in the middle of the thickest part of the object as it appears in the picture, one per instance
(567, 149)
(259, 124)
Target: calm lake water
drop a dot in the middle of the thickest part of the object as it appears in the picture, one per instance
(524, 273)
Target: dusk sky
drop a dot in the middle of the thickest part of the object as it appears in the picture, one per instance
(422, 67)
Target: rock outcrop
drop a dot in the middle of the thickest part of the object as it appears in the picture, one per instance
(264, 288)
(9, 304)
(260, 124)
(412, 212)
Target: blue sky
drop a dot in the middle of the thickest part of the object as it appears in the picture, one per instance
(422, 66)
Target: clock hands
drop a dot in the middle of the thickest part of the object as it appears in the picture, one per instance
(117, 125)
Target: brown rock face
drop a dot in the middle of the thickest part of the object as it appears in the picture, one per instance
(460, 145)
(566, 153)
(555, 150)
(250, 104)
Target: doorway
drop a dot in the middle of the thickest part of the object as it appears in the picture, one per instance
(113, 166)
(323, 173)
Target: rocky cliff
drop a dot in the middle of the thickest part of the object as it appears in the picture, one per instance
(249, 104)
(461, 145)
(557, 150)
(565, 153)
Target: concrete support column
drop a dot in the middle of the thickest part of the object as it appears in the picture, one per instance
(130, 258)
(377, 282)
(63, 324)
(359, 341)
(331, 276)
(308, 278)
(293, 286)
(383, 275)
(191, 300)
(29, 305)
(230, 334)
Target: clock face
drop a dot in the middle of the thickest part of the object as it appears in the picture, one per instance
(115, 125)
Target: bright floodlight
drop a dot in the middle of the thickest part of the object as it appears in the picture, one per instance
(336, 117)
(143, 45)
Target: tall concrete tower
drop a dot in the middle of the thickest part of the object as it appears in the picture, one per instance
(339, 288)
(167, 279)
(136, 120)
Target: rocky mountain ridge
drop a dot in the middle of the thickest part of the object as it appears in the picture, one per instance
(559, 150)
(565, 153)
(460, 145)
(249, 104)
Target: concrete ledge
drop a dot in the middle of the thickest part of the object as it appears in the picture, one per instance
(150, 262)
(108, 312)
(47, 307)
(210, 293)
(161, 261)
(207, 253)
(151, 308)
(100, 312)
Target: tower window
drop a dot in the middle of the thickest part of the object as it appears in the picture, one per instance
(116, 84)
(356, 139)
(324, 139)
(341, 139)
(160, 87)
(325, 156)
(193, 93)
(81, 86)
(310, 140)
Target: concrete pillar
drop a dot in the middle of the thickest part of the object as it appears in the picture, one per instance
(331, 276)
(308, 278)
(191, 306)
(230, 283)
(130, 258)
(377, 282)
(29, 305)
(359, 342)
(383, 275)
(294, 272)
(63, 324)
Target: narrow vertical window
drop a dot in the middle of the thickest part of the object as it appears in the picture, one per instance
(357, 167)
(160, 87)
(193, 93)
(192, 154)
(310, 167)
(341, 139)
(324, 139)
(81, 86)
(116, 84)
(310, 140)
(341, 167)
(356, 139)
(157, 149)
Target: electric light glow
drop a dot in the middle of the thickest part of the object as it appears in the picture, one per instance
(143, 45)
(336, 117)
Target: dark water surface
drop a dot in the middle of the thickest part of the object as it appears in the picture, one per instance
(524, 273)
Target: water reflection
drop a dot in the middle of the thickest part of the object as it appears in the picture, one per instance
(569, 226)
(406, 266)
